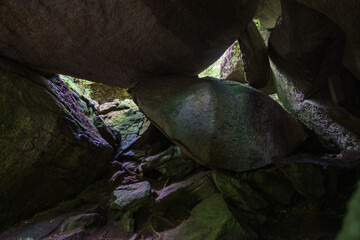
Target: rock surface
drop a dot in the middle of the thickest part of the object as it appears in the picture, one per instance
(131, 197)
(219, 123)
(120, 42)
(49, 151)
(345, 15)
(268, 12)
(170, 164)
(254, 56)
(311, 40)
(211, 219)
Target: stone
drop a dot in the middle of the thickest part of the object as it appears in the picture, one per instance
(304, 37)
(175, 201)
(49, 150)
(115, 105)
(345, 15)
(131, 127)
(331, 125)
(131, 197)
(307, 178)
(239, 190)
(232, 65)
(211, 219)
(273, 183)
(120, 42)
(309, 39)
(255, 58)
(84, 221)
(351, 225)
(105, 131)
(169, 164)
(220, 124)
(79, 235)
(268, 12)
(103, 93)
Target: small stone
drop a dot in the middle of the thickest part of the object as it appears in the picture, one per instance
(131, 197)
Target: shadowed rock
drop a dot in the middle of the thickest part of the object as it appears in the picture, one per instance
(49, 151)
(219, 123)
(116, 42)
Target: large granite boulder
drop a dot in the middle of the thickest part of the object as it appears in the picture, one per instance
(119, 42)
(219, 123)
(346, 16)
(306, 49)
(49, 151)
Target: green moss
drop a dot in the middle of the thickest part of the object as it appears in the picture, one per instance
(351, 225)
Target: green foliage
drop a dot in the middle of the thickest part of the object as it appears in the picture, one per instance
(77, 85)
(213, 70)
(257, 23)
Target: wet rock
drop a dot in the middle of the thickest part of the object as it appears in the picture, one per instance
(131, 197)
(191, 39)
(84, 221)
(219, 123)
(210, 219)
(49, 150)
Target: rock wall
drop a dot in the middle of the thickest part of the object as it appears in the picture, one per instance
(49, 151)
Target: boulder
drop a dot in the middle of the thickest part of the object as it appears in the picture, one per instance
(335, 128)
(239, 191)
(83, 221)
(170, 164)
(130, 126)
(232, 65)
(306, 49)
(174, 202)
(49, 150)
(346, 16)
(255, 58)
(268, 12)
(119, 42)
(131, 197)
(308, 45)
(220, 124)
(211, 219)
